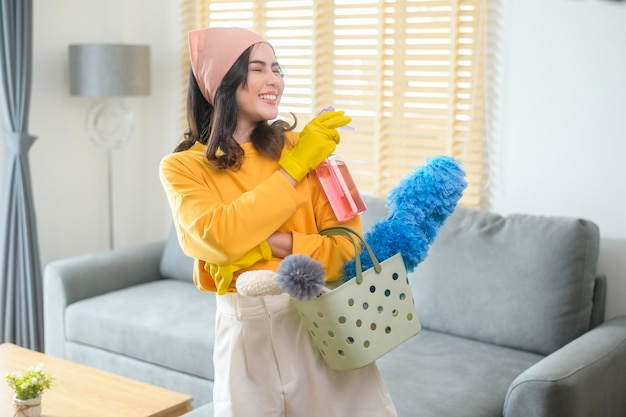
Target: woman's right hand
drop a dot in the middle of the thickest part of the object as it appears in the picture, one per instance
(281, 244)
(223, 274)
(317, 141)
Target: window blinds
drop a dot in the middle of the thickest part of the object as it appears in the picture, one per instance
(411, 73)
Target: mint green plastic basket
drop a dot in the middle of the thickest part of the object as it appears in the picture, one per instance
(363, 319)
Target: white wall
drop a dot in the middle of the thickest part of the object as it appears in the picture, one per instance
(561, 143)
(558, 149)
(68, 170)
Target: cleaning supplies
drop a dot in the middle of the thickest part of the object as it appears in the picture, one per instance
(342, 193)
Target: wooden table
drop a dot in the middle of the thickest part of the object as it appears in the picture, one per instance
(80, 391)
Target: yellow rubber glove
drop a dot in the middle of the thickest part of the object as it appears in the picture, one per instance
(318, 139)
(223, 274)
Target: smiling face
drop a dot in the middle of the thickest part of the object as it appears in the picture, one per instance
(258, 98)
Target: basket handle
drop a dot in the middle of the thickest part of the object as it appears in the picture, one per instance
(351, 233)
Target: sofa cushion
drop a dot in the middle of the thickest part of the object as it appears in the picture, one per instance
(521, 281)
(450, 376)
(166, 322)
(174, 263)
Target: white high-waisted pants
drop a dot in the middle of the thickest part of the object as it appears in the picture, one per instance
(266, 366)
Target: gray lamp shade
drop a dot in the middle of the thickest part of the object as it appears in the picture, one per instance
(104, 70)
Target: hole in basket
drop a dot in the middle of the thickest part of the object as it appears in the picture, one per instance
(331, 333)
(387, 293)
(402, 297)
(317, 326)
(409, 316)
(365, 306)
(387, 329)
(340, 352)
(372, 289)
(380, 309)
(323, 352)
(373, 326)
(350, 302)
(395, 276)
(366, 344)
(325, 343)
(312, 333)
(341, 319)
(321, 315)
(359, 323)
(394, 312)
(350, 340)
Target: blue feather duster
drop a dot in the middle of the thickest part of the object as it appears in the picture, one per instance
(418, 206)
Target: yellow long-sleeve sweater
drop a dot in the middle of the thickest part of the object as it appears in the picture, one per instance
(219, 215)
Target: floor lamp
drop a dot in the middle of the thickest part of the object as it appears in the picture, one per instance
(111, 72)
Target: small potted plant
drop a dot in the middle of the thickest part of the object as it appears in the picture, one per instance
(28, 387)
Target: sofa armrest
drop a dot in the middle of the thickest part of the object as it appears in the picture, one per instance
(69, 280)
(584, 378)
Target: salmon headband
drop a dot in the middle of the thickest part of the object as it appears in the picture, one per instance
(213, 51)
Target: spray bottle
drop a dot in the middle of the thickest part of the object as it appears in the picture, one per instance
(342, 193)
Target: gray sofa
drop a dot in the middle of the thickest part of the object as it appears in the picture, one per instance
(512, 311)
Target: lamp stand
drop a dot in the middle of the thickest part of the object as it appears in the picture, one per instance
(110, 125)
(115, 71)
(109, 153)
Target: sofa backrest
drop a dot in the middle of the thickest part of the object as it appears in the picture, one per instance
(174, 263)
(521, 281)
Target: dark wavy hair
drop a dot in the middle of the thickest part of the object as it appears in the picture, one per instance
(214, 126)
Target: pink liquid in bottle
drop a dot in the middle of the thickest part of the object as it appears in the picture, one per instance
(340, 189)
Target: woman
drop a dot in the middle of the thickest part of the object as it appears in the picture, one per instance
(242, 198)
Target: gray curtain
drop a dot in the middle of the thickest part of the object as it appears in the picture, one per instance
(20, 269)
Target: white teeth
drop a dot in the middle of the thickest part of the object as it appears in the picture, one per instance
(267, 97)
